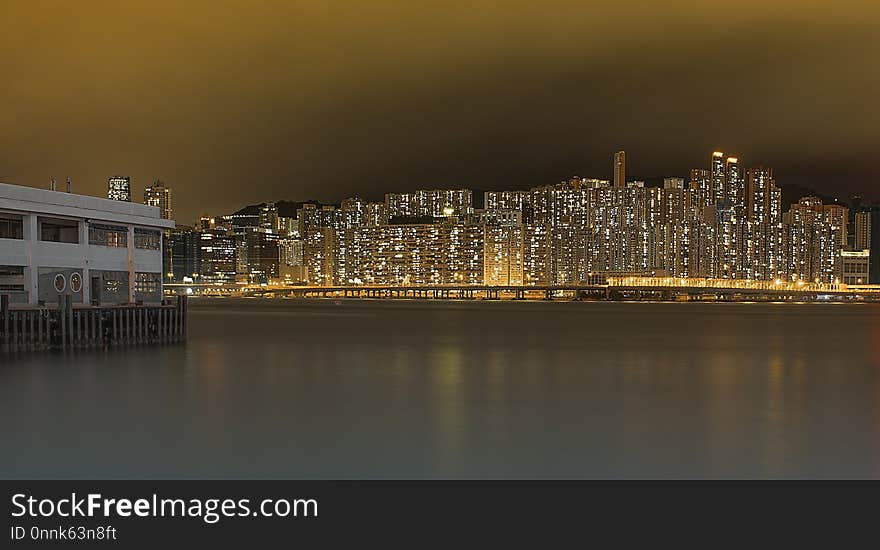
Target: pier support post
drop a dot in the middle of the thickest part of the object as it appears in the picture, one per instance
(4, 313)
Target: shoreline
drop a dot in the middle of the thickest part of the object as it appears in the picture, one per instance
(349, 300)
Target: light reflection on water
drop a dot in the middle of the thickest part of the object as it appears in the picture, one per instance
(292, 389)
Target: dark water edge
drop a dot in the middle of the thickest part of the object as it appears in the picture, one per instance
(315, 389)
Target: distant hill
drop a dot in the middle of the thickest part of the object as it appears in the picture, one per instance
(792, 193)
(286, 209)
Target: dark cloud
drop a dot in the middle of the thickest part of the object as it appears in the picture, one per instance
(233, 103)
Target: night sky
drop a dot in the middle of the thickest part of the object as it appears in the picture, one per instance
(233, 103)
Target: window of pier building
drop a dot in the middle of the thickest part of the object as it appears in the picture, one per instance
(108, 235)
(11, 278)
(146, 239)
(11, 226)
(59, 230)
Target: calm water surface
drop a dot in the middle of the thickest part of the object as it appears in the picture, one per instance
(403, 389)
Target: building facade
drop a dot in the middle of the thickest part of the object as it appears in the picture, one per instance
(96, 250)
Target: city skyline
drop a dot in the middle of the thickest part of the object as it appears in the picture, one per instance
(130, 190)
(727, 222)
(294, 100)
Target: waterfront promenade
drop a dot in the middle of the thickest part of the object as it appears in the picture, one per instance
(620, 288)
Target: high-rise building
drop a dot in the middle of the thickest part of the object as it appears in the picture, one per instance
(434, 203)
(119, 188)
(269, 217)
(838, 216)
(717, 175)
(180, 257)
(862, 240)
(619, 167)
(811, 242)
(260, 249)
(701, 184)
(734, 183)
(159, 195)
(217, 260)
(503, 254)
(763, 196)
(290, 260)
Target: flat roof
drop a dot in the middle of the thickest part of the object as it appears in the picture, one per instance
(60, 203)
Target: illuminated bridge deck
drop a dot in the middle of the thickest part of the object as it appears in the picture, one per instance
(624, 288)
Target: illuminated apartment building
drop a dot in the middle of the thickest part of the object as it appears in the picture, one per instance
(811, 242)
(419, 254)
(435, 203)
(503, 254)
(862, 237)
(717, 177)
(119, 188)
(159, 195)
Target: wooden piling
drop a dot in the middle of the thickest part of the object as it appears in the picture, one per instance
(66, 327)
(4, 319)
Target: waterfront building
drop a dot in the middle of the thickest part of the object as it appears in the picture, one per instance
(854, 267)
(94, 249)
(159, 196)
(119, 188)
(811, 242)
(503, 253)
(764, 214)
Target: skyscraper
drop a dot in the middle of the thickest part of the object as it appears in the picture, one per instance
(159, 195)
(838, 216)
(763, 196)
(619, 167)
(119, 188)
(718, 176)
(863, 230)
(734, 184)
(701, 184)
